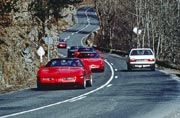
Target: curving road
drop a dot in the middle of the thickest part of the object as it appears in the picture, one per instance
(87, 24)
(116, 93)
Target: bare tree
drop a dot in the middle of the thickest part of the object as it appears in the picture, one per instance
(159, 21)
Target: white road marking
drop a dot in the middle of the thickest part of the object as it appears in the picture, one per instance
(109, 85)
(112, 64)
(78, 98)
(68, 100)
(116, 70)
(87, 21)
(116, 77)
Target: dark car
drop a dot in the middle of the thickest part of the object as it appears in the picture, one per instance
(61, 44)
(72, 50)
(85, 49)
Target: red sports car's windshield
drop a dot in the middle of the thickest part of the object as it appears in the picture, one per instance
(65, 62)
(88, 55)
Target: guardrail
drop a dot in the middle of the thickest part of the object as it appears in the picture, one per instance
(114, 51)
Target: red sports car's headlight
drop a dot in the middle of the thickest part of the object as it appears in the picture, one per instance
(70, 78)
(82, 77)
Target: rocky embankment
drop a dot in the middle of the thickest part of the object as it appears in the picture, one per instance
(19, 42)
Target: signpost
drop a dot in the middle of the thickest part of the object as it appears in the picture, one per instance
(41, 52)
(137, 31)
(49, 41)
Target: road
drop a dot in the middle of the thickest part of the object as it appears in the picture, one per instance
(116, 93)
(87, 24)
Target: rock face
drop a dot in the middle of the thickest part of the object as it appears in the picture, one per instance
(19, 61)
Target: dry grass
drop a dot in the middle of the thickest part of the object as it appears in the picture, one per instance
(15, 74)
(85, 3)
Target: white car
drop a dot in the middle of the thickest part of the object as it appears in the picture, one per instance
(141, 58)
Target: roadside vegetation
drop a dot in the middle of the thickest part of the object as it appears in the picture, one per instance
(127, 24)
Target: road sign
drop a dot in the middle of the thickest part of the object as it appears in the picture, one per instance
(137, 30)
(48, 40)
(41, 52)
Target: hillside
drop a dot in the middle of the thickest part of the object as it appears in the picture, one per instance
(21, 34)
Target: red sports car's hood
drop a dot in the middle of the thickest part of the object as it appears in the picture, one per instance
(60, 72)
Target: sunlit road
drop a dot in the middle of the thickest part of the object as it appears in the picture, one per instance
(116, 93)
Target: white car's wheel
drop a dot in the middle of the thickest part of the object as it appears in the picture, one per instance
(40, 86)
(153, 67)
(129, 67)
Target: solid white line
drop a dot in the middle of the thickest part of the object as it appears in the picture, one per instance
(68, 100)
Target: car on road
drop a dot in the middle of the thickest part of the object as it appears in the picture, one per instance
(141, 58)
(64, 71)
(85, 49)
(93, 59)
(72, 50)
(61, 44)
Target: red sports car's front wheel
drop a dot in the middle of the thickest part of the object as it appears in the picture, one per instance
(90, 82)
(83, 85)
(40, 86)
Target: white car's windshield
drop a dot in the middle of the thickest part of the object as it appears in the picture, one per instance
(141, 52)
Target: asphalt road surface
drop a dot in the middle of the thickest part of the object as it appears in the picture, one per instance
(116, 92)
(87, 24)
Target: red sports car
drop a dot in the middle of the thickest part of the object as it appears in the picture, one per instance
(93, 59)
(64, 71)
(62, 44)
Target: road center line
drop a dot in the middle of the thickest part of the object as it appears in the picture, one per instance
(68, 100)
(83, 27)
(79, 98)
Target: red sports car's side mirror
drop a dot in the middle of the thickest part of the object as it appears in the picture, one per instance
(97, 51)
(102, 57)
(76, 54)
(42, 66)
